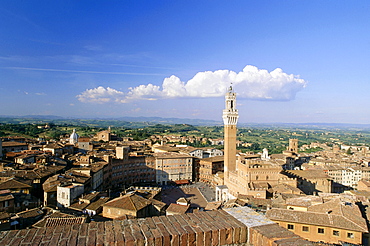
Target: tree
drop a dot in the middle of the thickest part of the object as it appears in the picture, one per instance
(349, 151)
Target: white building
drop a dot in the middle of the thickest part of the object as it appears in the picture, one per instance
(346, 176)
(66, 194)
(73, 139)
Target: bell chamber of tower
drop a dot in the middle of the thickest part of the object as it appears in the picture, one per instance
(230, 113)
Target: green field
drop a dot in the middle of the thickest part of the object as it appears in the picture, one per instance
(274, 138)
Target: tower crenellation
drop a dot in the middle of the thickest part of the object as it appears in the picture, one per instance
(230, 113)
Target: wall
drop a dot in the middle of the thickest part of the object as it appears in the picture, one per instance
(67, 194)
(326, 237)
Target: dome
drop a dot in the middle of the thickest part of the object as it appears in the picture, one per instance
(74, 137)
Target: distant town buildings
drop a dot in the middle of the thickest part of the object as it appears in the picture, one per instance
(162, 191)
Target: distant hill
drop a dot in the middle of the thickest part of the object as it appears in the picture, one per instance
(146, 121)
(160, 120)
(103, 122)
(322, 126)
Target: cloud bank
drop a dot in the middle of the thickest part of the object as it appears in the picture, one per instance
(100, 95)
(252, 83)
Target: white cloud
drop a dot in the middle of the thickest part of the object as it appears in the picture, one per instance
(260, 84)
(101, 95)
(252, 83)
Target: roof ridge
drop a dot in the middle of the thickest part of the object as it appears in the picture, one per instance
(353, 222)
(341, 208)
(330, 218)
(132, 202)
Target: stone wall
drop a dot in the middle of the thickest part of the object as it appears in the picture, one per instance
(209, 228)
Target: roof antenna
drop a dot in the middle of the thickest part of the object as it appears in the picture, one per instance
(231, 87)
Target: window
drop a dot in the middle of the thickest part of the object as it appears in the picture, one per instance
(350, 235)
(305, 228)
(335, 233)
(320, 230)
(290, 227)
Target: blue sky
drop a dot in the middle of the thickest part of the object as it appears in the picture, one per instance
(289, 61)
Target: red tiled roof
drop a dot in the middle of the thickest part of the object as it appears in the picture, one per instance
(79, 206)
(131, 202)
(13, 144)
(97, 204)
(13, 184)
(5, 215)
(204, 228)
(52, 222)
(30, 213)
(177, 208)
(314, 218)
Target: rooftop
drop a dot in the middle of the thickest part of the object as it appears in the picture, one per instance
(13, 184)
(177, 208)
(316, 218)
(13, 144)
(309, 174)
(131, 202)
(203, 228)
(30, 213)
(216, 227)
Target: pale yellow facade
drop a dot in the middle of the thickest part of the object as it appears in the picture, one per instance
(324, 234)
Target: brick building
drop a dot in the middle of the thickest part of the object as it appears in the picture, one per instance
(131, 205)
(208, 167)
(132, 169)
(312, 181)
(171, 167)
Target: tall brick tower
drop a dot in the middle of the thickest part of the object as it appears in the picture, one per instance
(293, 145)
(230, 117)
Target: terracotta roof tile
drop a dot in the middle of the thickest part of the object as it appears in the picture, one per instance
(204, 228)
(79, 206)
(13, 184)
(97, 204)
(52, 222)
(6, 197)
(177, 208)
(314, 218)
(4, 215)
(12, 143)
(30, 213)
(131, 202)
